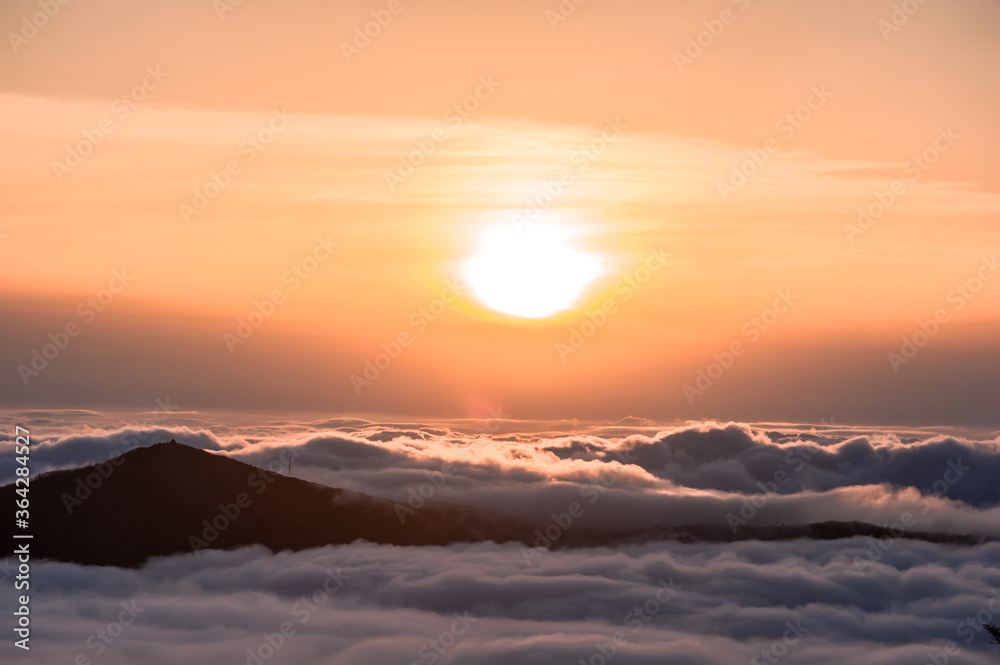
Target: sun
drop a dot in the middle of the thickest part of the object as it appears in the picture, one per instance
(533, 271)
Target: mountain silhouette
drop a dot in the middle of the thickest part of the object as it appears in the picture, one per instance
(171, 499)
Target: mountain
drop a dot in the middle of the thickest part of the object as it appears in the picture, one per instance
(171, 499)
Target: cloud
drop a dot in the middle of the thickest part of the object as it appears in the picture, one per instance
(728, 603)
(700, 473)
(854, 600)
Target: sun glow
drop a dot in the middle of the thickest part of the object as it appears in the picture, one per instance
(532, 272)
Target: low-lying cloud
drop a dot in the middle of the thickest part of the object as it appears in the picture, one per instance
(623, 476)
(888, 602)
(674, 603)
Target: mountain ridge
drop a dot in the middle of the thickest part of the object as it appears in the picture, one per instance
(170, 498)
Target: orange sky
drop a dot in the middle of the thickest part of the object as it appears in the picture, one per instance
(170, 95)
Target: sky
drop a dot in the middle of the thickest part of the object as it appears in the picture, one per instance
(504, 206)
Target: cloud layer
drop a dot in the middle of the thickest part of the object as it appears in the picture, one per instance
(630, 475)
(674, 603)
(891, 602)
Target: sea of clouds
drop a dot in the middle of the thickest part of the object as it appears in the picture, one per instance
(892, 602)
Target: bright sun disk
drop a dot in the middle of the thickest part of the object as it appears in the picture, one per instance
(532, 272)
